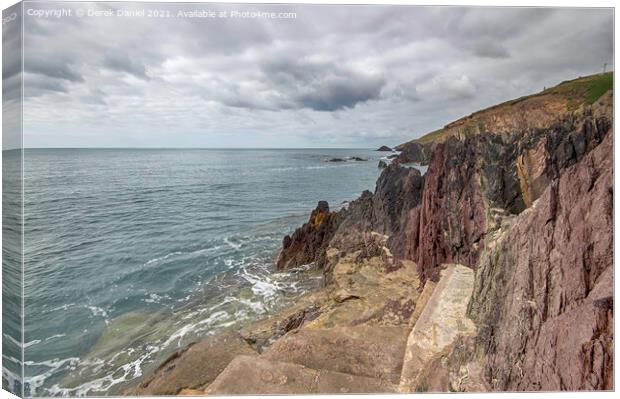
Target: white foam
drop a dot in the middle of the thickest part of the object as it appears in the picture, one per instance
(97, 311)
(168, 256)
(234, 246)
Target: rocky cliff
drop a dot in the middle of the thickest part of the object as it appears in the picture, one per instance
(529, 209)
(491, 272)
(536, 111)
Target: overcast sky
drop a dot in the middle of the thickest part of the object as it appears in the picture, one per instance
(335, 76)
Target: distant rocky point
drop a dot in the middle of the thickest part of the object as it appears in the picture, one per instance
(384, 148)
(346, 159)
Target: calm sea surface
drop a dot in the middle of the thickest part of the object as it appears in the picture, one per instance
(131, 254)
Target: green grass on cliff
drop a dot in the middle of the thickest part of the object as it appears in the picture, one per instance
(583, 90)
(599, 87)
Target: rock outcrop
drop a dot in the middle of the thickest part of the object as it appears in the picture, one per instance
(415, 152)
(369, 221)
(384, 148)
(308, 243)
(472, 184)
(536, 111)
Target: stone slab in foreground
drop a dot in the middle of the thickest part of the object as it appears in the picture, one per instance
(369, 351)
(250, 375)
(441, 322)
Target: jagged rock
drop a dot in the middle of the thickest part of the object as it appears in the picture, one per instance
(398, 189)
(382, 164)
(358, 227)
(543, 296)
(195, 367)
(414, 152)
(367, 351)
(309, 242)
(384, 148)
(469, 180)
(257, 376)
(549, 151)
(449, 223)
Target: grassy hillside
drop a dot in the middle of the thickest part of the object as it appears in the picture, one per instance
(565, 97)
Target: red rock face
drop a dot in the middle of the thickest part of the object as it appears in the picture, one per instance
(451, 216)
(470, 182)
(543, 299)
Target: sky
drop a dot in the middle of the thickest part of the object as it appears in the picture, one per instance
(333, 76)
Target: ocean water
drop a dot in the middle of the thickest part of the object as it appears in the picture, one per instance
(130, 254)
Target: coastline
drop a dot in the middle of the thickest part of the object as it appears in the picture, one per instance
(426, 276)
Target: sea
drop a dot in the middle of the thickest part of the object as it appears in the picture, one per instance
(131, 254)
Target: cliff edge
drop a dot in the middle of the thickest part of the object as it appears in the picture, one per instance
(493, 271)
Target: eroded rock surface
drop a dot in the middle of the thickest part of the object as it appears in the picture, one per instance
(543, 297)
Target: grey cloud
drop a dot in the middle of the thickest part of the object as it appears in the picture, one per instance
(122, 62)
(339, 92)
(322, 86)
(357, 74)
(11, 46)
(288, 84)
(12, 88)
(35, 86)
(490, 48)
(52, 67)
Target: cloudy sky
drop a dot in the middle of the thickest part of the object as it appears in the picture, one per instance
(334, 76)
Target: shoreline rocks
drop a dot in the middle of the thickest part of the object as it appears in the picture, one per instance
(384, 148)
(493, 271)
